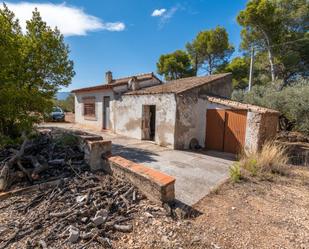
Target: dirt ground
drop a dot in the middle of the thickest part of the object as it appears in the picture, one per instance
(251, 214)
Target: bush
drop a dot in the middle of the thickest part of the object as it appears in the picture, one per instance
(67, 139)
(67, 105)
(235, 173)
(291, 101)
(272, 158)
(33, 66)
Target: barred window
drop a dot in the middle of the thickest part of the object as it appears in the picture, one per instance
(89, 106)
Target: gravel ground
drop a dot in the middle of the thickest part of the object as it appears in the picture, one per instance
(250, 214)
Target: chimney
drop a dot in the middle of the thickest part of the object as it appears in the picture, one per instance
(108, 77)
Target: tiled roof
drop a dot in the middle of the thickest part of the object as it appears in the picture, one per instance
(239, 105)
(116, 82)
(180, 85)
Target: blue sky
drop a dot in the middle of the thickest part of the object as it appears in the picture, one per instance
(128, 36)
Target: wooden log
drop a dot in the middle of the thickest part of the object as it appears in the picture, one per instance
(5, 174)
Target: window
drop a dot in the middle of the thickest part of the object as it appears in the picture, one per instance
(89, 106)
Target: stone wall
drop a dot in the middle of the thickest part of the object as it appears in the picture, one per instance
(260, 128)
(126, 116)
(155, 185)
(191, 113)
(221, 87)
(191, 119)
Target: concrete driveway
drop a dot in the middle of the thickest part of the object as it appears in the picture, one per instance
(195, 173)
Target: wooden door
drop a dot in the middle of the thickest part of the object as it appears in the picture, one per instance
(215, 129)
(225, 130)
(235, 130)
(146, 122)
(106, 100)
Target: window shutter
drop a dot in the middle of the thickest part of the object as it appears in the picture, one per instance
(89, 106)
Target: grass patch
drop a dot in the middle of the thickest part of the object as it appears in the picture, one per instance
(235, 172)
(271, 159)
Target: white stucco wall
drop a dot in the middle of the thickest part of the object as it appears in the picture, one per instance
(191, 123)
(126, 116)
(97, 122)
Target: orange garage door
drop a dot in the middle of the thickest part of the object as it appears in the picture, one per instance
(225, 130)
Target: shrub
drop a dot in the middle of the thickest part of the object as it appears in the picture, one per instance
(235, 172)
(33, 66)
(67, 139)
(272, 158)
(291, 101)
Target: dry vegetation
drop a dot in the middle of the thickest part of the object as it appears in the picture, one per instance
(271, 159)
(254, 213)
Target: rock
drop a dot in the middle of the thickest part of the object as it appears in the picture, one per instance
(74, 234)
(196, 239)
(179, 213)
(214, 246)
(84, 219)
(81, 198)
(102, 212)
(43, 244)
(98, 220)
(148, 215)
(164, 239)
(233, 208)
(167, 209)
(100, 217)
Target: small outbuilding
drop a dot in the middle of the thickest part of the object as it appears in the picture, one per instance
(188, 113)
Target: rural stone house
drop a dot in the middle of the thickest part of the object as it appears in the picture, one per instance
(180, 114)
(92, 104)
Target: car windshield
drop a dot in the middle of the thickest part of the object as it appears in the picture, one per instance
(56, 109)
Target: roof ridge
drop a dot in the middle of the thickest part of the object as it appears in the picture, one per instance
(237, 104)
(105, 85)
(180, 85)
(135, 75)
(201, 76)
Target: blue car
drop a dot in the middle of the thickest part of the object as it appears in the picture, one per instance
(57, 114)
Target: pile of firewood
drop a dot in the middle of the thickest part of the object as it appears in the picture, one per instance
(40, 159)
(78, 211)
(79, 208)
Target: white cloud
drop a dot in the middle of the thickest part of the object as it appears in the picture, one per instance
(168, 15)
(165, 14)
(158, 12)
(70, 20)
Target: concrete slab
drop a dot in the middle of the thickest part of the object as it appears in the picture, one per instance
(195, 173)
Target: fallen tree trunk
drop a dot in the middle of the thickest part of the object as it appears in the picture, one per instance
(5, 176)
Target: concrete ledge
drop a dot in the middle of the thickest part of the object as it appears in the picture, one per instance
(95, 152)
(155, 185)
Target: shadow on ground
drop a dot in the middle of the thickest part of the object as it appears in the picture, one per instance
(134, 154)
(180, 210)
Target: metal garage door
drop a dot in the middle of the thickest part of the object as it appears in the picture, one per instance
(225, 130)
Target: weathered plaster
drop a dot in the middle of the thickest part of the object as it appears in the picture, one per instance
(97, 122)
(221, 87)
(260, 128)
(127, 116)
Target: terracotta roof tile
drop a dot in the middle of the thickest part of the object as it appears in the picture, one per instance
(239, 105)
(116, 82)
(180, 85)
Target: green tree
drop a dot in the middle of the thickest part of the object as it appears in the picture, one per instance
(33, 66)
(210, 49)
(239, 67)
(67, 104)
(291, 101)
(278, 27)
(175, 65)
